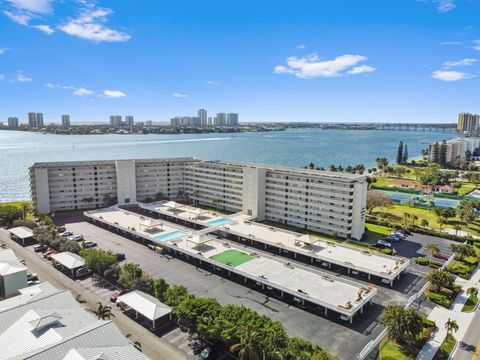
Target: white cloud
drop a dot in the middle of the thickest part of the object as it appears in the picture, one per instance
(444, 6)
(361, 69)
(476, 44)
(2, 77)
(301, 46)
(3, 50)
(114, 94)
(34, 6)
(311, 66)
(462, 62)
(212, 83)
(449, 75)
(180, 95)
(22, 77)
(21, 19)
(52, 86)
(89, 26)
(44, 28)
(83, 92)
(449, 43)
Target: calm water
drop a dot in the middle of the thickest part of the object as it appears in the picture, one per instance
(19, 150)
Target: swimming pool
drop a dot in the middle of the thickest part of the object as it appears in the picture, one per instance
(219, 222)
(445, 203)
(169, 236)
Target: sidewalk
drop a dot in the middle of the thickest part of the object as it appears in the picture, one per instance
(441, 315)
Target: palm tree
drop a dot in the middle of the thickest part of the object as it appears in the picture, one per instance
(26, 208)
(450, 326)
(424, 223)
(457, 228)
(414, 219)
(441, 221)
(406, 216)
(103, 312)
(433, 248)
(249, 346)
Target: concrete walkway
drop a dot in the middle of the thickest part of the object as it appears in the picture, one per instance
(152, 346)
(441, 315)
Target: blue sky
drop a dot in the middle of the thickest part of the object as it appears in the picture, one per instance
(268, 60)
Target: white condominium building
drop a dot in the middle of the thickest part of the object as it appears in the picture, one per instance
(320, 201)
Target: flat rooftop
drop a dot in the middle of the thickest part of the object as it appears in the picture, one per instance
(138, 223)
(369, 262)
(187, 212)
(343, 296)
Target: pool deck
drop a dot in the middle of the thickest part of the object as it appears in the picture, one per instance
(341, 295)
(370, 262)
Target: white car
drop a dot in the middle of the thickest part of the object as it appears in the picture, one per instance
(66, 234)
(76, 237)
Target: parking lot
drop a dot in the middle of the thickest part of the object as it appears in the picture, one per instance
(328, 333)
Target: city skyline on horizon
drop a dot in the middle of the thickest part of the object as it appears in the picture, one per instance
(415, 62)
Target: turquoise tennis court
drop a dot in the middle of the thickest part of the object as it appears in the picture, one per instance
(169, 236)
(219, 222)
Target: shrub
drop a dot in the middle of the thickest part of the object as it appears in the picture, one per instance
(422, 261)
(27, 223)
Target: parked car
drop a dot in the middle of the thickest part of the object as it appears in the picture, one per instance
(440, 256)
(82, 272)
(48, 254)
(392, 238)
(399, 234)
(32, 276)
(40, 248)
(405, 232)
(120, 256)
(76, 237)
(117, 293)
(89, 244)
(382, 244)
(66, 234)
(61, 229)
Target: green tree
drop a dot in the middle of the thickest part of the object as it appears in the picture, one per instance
(175, 294)
(249, 346)
(103, 312)
(465, 212)
(400, 153)
(98, 260)
(473, 291)
(130, 276)
(451, 326)
(403, 325)
(377, 198)
(441, 278)
(10, 213)
(463, 250)
(159, 288)
(381, 163)
(433, 248)
(424, 223)
(442, 156)
(196, 314)
(435, 153)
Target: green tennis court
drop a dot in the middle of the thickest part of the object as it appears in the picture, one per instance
(232, 257)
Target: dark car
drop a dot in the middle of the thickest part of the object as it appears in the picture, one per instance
(392, 239)
(82, 272)
(40, 248)
(61, 229)
(120, 256)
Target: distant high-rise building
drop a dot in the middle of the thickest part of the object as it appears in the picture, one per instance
(39, 120)
(185, 121)
(232, 119)
(221, 119)
(210, 121)
(468, 122)
(129, 120)
(13, 122)
(202, 114)
(32, 119)
(115, 120)
(148, 123)
(65, 121)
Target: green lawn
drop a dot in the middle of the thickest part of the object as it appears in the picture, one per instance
(19, 204)
(376, 232)
(470, 304)
(446, 348)
(384, 182)
(465, 188)
(391, 351)
(232, 257)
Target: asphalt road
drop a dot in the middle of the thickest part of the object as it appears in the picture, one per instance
(153, 346)
(329, 334)
(469, 347)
